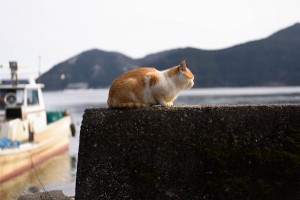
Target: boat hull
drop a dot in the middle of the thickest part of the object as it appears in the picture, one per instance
(52, 141)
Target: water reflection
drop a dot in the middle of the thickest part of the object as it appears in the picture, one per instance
(40, 178)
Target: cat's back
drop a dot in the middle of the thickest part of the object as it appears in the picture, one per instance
(133, 76)
(141, 71)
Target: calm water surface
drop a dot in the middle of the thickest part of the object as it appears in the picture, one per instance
(59, 173)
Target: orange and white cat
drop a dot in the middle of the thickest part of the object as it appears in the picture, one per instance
(144, 87)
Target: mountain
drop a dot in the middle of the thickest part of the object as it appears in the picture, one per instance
(94, 67)
(273, 61)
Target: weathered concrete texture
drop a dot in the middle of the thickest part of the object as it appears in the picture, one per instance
(51, 195)
(190, 152)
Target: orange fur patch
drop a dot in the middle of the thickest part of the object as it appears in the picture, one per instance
(173, 71)
(132, 81)
(154, 79)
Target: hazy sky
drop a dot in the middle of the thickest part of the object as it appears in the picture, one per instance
(59, 29)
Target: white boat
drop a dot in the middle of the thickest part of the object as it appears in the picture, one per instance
(32, 134)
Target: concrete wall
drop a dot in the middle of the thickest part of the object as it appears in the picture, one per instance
(190, 152)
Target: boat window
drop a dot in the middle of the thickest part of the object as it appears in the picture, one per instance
(20, 97)
(32, 97)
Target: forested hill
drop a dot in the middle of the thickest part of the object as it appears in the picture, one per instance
(273, 61)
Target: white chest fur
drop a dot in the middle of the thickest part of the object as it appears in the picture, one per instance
(166, 90)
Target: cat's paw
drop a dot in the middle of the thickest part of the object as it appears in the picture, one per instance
(169, 104)
(165, 104)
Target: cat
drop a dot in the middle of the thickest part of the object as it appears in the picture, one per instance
(144, 87)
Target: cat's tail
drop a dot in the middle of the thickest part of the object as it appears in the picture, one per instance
(130, 105)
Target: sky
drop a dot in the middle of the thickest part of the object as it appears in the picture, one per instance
(57, 30)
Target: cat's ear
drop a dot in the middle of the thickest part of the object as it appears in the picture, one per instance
(182, 66)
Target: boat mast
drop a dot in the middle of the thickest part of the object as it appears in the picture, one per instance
(39, 72)
(14, 72)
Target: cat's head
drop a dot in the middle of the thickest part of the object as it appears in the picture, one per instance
(183, 75)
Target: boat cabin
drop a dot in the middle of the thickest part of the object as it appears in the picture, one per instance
(22, 109)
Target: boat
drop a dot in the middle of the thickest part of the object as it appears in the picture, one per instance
(29, 135)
